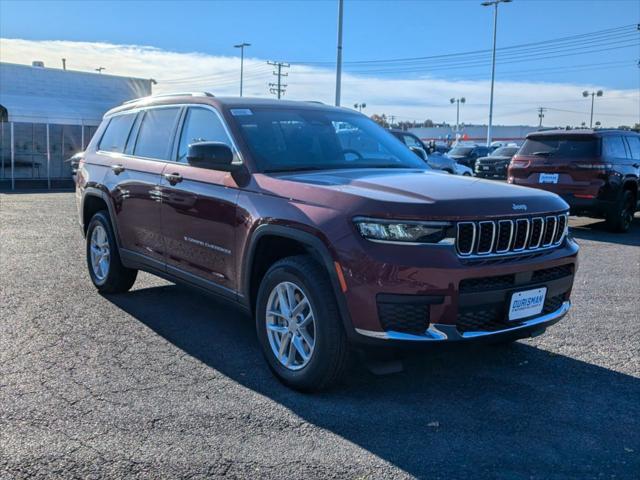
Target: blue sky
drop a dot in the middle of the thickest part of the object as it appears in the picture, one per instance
(305, 31)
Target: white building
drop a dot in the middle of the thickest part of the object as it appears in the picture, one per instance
(48, 114)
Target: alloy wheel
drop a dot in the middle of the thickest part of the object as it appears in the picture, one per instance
(100, 253)
(291, 327)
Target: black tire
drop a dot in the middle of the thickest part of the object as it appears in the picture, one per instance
(118, 278)
(621, 217)
(330, 355)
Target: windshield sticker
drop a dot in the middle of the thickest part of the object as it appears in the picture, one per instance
(241, 112)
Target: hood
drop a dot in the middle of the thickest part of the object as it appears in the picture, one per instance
(413, 193)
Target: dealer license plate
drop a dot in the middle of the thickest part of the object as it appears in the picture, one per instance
(527, 303)
(548, 178)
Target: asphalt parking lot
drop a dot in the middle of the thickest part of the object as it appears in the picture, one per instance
(164, 382)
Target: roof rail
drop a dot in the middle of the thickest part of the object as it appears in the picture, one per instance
(176, 94)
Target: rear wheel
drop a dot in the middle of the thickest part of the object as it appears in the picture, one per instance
(299, 326)
(621, 217)
(103, 260)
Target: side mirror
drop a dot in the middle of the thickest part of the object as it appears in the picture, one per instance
(211, 155)
(419, 152)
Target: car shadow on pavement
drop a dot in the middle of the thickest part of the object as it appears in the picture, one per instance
(463, 412)
(597, 231)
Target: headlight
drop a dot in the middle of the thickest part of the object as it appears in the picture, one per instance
(404, 232)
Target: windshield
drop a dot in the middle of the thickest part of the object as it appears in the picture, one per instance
(304, 139)
(568, 146)
(505, 152)
(460, 151)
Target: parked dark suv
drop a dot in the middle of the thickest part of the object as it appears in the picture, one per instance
(327, 238)
(495, 165)
(597, 172)
(468, 154)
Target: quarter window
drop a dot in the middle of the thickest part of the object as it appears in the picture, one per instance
(634, 146)
(156, 133)
(201, 125)
(117, 132)
(613, 146)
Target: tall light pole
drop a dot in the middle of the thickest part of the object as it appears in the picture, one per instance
(495, 4)
(339, 54)
(241, 47)
(585, 94)
(458, 101)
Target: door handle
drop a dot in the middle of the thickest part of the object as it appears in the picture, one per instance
(172, 178)
(117, 169)
(636, 165)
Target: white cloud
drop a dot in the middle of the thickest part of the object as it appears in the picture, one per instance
(413, 99)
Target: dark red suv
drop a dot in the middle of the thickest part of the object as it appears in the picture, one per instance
(322, 225)
(597, 172)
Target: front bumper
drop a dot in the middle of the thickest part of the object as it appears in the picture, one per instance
(429, 294)
(491, 170)
(449, 333)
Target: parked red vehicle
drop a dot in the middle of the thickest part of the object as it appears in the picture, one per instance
(323, 226)
(597, 172)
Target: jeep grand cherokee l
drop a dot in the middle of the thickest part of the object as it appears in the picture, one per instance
(597, 172)
(327, 239)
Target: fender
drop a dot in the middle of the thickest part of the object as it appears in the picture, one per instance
(317, 248)
(104, 196)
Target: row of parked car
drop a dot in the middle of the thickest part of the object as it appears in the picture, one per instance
(597, 172)
(463, 159)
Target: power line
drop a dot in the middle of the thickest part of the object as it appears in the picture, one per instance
(605, 32)
(278, 88)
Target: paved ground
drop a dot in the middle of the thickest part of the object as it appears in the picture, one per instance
(164, 382)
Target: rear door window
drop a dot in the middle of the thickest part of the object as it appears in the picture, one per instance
(116, 134)
(613, 147)
(565, 146)
(155, 137)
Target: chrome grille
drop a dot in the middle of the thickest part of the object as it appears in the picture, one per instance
(505, 237)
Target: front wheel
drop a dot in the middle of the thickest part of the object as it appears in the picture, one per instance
(299, 326)
(621, 217)
(103, 260)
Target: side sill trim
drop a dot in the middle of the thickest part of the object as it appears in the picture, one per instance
(438, 332)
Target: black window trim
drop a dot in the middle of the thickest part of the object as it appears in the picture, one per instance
(181, 115)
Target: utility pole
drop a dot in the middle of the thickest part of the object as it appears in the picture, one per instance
(241, 47)
(593, 95)
(339, 54)
(64, 63)
(457, 101)
(541, 111)
(495, 4)
(278, 88)
(392, 118)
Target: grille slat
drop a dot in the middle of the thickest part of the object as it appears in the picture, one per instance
(504, 237)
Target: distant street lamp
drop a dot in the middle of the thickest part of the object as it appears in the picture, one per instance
(495, 4)
(457, 101)
(359, 106)
(241, 47)
(100, 69)
(586, 94)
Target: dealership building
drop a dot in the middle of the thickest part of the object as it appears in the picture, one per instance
(49, 114)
